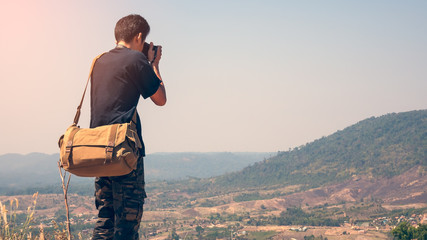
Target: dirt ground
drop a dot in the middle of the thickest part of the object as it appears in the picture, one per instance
(332, 233)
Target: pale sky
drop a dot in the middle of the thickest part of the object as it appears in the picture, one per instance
(240, 75)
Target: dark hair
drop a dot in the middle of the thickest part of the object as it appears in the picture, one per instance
(128, 27)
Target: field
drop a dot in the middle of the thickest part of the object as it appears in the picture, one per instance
(360, 208)
(191, 218)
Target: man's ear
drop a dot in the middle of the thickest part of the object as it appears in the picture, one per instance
(136, 38)
(139, 37)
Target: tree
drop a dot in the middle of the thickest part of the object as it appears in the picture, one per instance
(403, 231)
(174, 235)
(60, 216)
(421, 232)
(199, 230)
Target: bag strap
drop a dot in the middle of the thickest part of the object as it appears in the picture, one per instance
(109, 149)
(77, 116)
(134, 116)
(69, 147)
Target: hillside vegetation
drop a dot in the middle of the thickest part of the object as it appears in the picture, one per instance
(378, 147)
(385, 146)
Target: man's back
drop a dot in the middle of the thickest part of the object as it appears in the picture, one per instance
(119, 78)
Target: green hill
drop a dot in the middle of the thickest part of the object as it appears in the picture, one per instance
(383, 146)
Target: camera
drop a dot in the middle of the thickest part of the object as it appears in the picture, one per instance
(145, 50)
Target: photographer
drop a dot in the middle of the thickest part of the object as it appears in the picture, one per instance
(119, 78)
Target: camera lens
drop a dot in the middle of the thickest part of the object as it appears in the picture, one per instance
(155, 52)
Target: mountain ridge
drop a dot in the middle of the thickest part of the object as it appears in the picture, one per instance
(378, 146)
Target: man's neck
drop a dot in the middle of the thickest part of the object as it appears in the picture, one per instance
(123, 43)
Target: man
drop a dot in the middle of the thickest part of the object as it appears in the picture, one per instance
(119, 78)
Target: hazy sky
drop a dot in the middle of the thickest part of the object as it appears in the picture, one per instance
(240, 75)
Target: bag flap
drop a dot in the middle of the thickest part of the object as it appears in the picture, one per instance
(98, 136)
(133, 136)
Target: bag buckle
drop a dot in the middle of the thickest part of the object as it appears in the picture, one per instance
(109, 152)
(69, 146)
(109, 149)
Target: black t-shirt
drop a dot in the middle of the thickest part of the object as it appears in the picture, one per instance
(119, 78)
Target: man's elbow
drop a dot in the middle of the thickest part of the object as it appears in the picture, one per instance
(159, 98)
(160, 102)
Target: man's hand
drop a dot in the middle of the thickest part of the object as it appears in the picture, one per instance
(159, 98)
(151, 54)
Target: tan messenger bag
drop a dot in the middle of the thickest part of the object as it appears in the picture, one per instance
(110, 150)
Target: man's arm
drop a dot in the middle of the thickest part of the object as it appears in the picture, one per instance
(159, 98)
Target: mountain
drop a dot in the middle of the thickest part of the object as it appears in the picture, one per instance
(32, 169)
(167, 166)
(375, 149)
(37, 170)
(383, 146)
(378, 147)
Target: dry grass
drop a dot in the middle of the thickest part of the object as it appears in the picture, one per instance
(12, 229)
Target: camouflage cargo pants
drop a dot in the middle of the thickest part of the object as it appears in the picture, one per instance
(119, 201)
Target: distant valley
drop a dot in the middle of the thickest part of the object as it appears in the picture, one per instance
(358, 182)
(39, 172)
